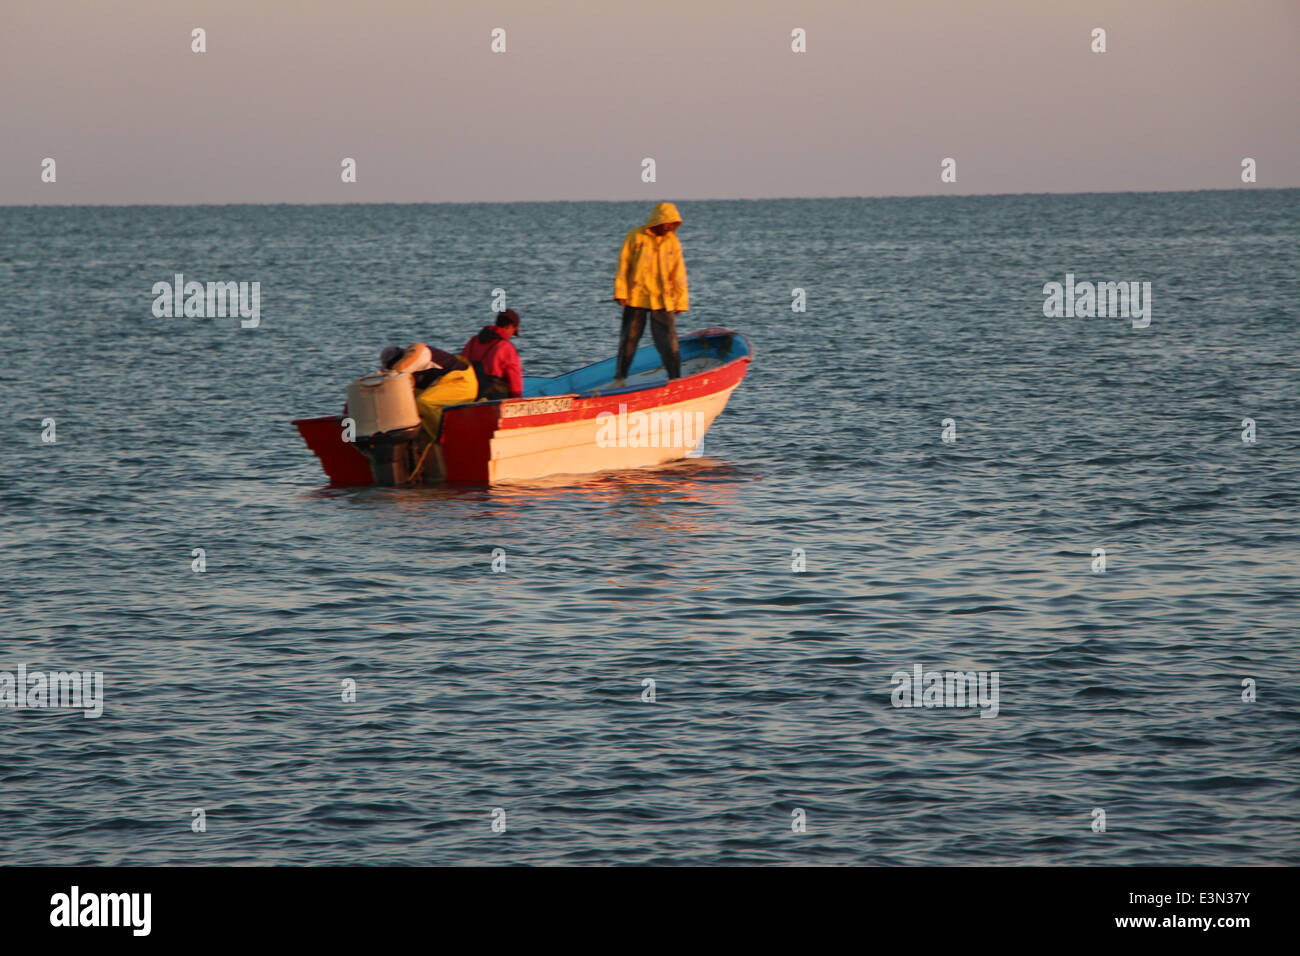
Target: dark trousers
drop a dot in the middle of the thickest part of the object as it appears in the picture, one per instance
(663, 329)
(492, 388)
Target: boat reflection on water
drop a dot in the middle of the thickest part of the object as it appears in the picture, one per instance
(651, 496)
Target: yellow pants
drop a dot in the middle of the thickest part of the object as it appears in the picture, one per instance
(452, 389)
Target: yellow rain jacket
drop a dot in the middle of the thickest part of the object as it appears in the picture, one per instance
(651, 271)
(454, 388)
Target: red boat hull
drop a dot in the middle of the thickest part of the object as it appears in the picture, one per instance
(578, 433)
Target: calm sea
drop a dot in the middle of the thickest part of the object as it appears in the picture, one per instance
(1120, 691)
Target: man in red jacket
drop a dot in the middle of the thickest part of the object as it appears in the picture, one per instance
(492, 350)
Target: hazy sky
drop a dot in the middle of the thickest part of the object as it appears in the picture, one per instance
(709, 88)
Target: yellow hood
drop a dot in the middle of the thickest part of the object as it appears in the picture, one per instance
(664, 212)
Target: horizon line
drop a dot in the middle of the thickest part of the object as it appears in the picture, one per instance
(1250, 187)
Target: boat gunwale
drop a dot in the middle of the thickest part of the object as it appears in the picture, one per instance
(622, 390)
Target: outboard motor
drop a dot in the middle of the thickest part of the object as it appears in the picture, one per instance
(388, 424)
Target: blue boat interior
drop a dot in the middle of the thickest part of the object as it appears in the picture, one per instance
(699, 354)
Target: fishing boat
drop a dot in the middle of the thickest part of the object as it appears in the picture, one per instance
(576, 423)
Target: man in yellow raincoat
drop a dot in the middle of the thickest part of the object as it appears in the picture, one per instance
(453, 382)
(651, 283)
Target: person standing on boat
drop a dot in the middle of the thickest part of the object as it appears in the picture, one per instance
(496, 355)
(651, 283)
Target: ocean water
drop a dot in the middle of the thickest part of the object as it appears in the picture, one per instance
(1119, 691)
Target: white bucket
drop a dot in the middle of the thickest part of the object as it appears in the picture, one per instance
(382, 402)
